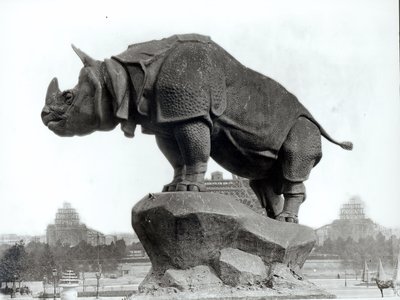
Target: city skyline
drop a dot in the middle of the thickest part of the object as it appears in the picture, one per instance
(340, 215)
(340, 59)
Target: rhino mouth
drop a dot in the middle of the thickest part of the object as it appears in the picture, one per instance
(51, 118)
(54, 122)
(56, 125)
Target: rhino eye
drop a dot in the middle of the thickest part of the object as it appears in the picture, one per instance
(68, 97)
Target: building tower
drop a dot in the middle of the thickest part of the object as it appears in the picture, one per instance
(237, 187)
(67, 229)
(352, 210)
(67, 216)
(352, 223)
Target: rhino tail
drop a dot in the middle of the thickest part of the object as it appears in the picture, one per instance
(345, 144)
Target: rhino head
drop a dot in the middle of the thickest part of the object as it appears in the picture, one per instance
(83, 109)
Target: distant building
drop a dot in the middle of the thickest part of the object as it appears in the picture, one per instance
(129, 238)
(38, 239)
(237, 187)
(67, 229)
(9, 239)
(110, 238)
(12, 239)
(352, 223)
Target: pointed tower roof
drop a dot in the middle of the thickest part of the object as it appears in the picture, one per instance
(381, 275)
(396, 275)
(365, 275)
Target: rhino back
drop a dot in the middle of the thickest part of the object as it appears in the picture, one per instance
(259, 111)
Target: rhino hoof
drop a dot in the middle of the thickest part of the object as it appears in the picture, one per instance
(172, 188)
(287, 217)
(193, 188)
(181, 187)
(280, 219)
(169, 188)
(190, 186)
(292, 220)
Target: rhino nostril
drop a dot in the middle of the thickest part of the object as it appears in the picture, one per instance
(45, 111)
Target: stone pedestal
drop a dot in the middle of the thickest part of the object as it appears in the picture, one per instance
(209, 244)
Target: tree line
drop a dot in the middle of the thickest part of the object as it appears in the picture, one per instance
(369, 249)
(36, 261)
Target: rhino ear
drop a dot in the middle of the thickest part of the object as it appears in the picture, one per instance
(86, 59)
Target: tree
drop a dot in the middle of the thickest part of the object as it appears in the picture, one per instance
(120, 248)
(339, 246)
(354, 253)
(351, 255)
(14, 264)
(64, 258)
(46, 262)
(327, 247)
(139, 246)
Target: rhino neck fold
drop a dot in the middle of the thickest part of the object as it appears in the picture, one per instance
(117, 98)
(104, 107)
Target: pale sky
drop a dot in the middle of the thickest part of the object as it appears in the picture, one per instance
(340, 58)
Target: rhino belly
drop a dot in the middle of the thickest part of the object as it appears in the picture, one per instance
(240, 158)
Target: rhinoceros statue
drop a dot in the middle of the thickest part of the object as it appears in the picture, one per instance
(198, 101)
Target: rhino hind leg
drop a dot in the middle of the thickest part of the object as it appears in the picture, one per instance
(300, 152)
(294, 194)
(271, 201)
(193, 139)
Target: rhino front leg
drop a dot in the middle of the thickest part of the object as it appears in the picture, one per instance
(170, 149)
(193, 139)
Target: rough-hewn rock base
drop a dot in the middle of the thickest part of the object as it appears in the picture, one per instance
(209, 246)
(200, 283)
(236, 295)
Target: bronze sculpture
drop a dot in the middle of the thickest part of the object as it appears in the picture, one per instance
(199, 102)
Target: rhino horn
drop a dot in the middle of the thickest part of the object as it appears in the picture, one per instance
(86, 59)
(52, 90)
